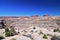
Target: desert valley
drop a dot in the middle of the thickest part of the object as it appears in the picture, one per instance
(30, 27)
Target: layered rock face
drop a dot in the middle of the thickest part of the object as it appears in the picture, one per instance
(27, 21)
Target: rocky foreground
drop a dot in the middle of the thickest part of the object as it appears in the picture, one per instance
(33, 33)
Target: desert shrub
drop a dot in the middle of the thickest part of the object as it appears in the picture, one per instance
(45, 36)
(34, 28)
(58, 30)
(13, 39)
(9, 32)
(6, 30)
(55, 30)
(1, 37)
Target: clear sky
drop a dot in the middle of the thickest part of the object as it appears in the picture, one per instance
(29, 7)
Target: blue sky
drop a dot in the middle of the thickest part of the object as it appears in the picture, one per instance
(29, 7)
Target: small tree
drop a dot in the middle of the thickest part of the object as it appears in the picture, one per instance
(10, 32)
(45, 36)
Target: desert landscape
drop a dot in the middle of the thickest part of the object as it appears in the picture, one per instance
(30, 27)
(29, 19)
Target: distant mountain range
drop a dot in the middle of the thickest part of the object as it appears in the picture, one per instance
(35, 20)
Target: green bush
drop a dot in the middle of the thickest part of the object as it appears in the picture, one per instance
(1, 37)
(6, 30)
(45, 36)
(9, 32)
